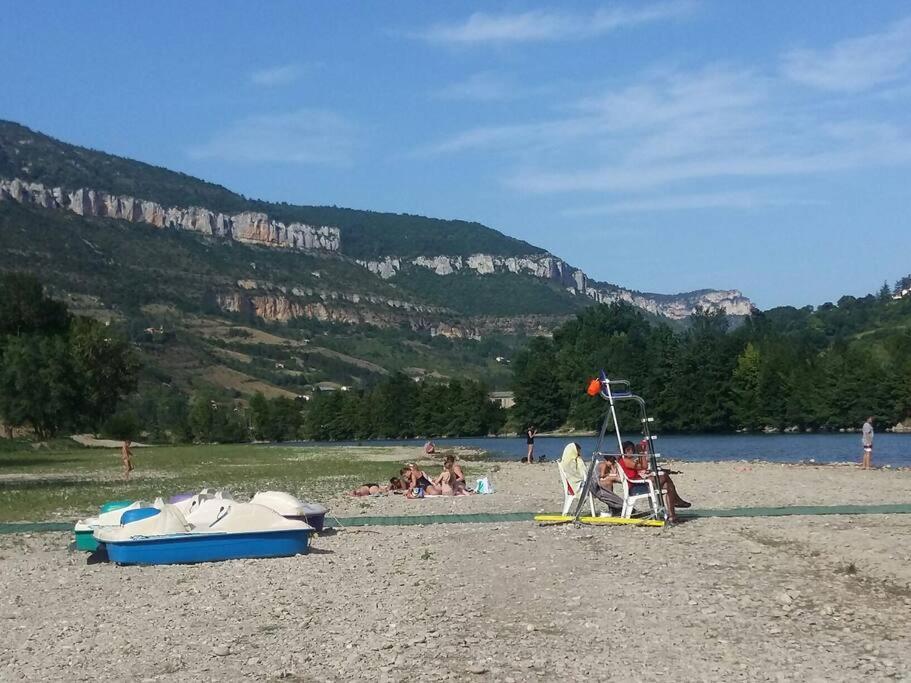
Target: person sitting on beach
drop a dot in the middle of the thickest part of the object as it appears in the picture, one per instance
(419, 480)
(602, 486)
(446, 481)
(607, 473)
(430, 448)
(642, 450)
(459, 486)
(629, 462)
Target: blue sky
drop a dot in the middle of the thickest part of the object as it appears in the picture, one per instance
(663, 146)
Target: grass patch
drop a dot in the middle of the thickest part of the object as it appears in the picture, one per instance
(68, 481)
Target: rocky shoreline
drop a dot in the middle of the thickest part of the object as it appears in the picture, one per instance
(753, 599)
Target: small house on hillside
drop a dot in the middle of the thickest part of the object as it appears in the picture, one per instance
(505, 399)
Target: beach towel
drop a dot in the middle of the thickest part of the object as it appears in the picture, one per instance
(573, 466)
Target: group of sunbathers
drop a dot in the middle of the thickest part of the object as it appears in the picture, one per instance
(413, 482)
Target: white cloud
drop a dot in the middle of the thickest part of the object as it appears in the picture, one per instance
(542, 25)
(829, 153)
(716, 124)
(305, 136)
(480, 87)
(855, 64)
(737, 199)
(699, 200)
(273, 76)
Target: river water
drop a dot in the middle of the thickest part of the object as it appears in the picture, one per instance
(889, 449)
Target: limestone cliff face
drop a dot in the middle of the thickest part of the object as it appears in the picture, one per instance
(249, 227)
(257, 228)
(549, 267)
(281, 304)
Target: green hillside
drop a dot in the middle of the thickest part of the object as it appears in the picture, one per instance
(142, 277)
(499, 294)
(244, 318)
(30, 155)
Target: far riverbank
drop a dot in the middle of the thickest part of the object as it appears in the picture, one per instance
(890, 449)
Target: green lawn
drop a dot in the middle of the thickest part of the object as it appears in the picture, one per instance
(66, 481)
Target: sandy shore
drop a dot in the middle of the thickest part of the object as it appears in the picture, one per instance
(798, 598)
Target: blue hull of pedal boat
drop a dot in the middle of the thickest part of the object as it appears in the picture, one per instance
(192, 548)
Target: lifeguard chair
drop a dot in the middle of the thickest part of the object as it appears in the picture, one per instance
(613, 391)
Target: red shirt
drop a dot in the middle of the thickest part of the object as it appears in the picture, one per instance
(631, 472)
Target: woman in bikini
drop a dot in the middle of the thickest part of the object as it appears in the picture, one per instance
(396, 485)
(446, 480)
(458, 485)
(607, 473)
(418, 479)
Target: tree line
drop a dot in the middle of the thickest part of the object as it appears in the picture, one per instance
(61, 373)
(399, 407)
(819, 369)
(58, 372)
(824, 368)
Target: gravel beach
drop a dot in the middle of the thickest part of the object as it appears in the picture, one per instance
(754, 599)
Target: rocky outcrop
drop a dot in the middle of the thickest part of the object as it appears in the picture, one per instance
(257, 228)
(549, 267)
(248, 227)
(283, 305)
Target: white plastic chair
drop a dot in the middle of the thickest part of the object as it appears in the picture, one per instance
(570, 495)
(629, 501)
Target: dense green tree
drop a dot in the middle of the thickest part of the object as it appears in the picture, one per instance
(540, 399)
(104, 368)
(37, 387)
(278, 419)
(826, 368)
(25, 309)
(123, 425)
(398, 407)
(57, 372)
(745, 388)
(213, 421)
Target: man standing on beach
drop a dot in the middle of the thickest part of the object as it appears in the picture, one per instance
(867, 440)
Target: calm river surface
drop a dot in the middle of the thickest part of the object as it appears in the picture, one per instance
(889, 449)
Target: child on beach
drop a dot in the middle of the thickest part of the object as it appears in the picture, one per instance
(126, 457)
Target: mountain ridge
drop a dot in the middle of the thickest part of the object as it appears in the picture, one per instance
(443, 246)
